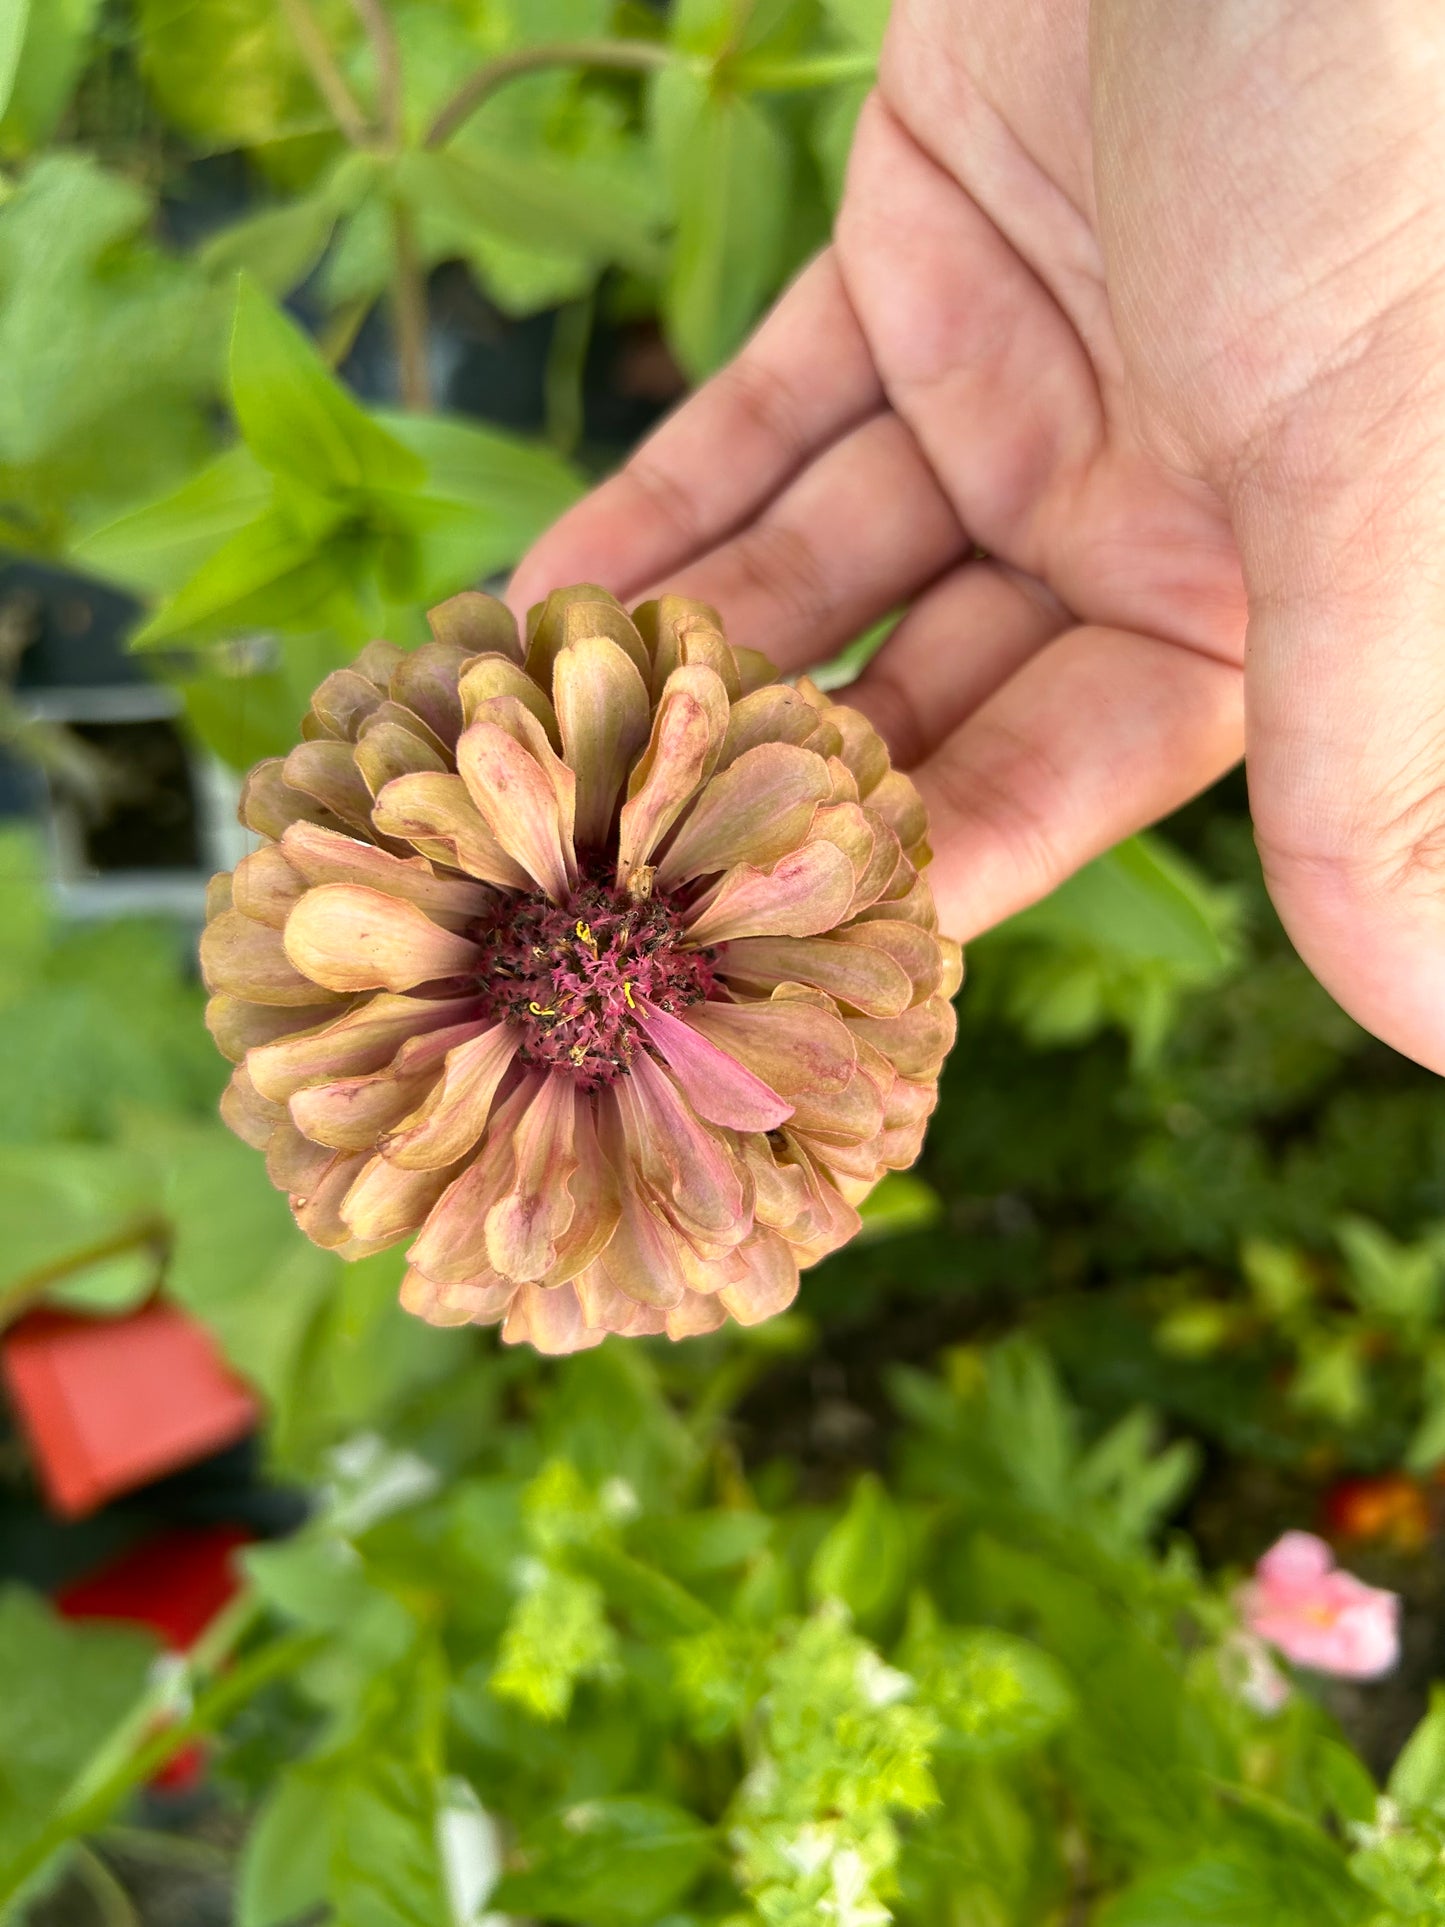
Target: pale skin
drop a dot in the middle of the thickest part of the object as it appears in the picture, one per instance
(1146, 300)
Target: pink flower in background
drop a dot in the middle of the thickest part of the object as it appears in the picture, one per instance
(1319, 1616)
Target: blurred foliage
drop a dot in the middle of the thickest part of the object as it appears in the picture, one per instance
(858, 1616)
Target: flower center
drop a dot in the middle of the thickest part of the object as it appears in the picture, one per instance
(574, 978)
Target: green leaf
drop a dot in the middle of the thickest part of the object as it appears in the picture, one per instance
(899, 1203)
(1226, 1890)
(14, 18)
(995, 1694)
(385, 1865)
(1417, 1778)
(286, 1857)
(58, 1202)
(730, 173)
(1389, 1280)
(230, 73)
(1140, 901)
(557, 1635)
(66, 1689)
(860, 22)
(268, 574)
(863, 1560)
(276, 248)
(608, 1863)
(155, 548)
(297, 419)
(57, 38)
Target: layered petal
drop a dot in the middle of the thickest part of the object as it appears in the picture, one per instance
(351, 938)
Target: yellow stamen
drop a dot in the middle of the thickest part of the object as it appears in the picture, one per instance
(627, 994)
(584, 935)
(578, 1055)
(541, 1010)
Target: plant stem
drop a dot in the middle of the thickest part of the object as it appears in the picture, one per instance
(628, 55)
(112, 1903)
(409, 312)
(84, 1813)
(329, 79)
(562, 380)
(382, 34)
(792, 76)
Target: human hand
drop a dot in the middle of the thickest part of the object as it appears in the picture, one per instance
(1147, 302)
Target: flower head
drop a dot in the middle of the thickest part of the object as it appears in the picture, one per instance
(602, 961)
(1319, 1616)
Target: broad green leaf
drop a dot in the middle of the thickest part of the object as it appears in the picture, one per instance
(229, 73)
(1227, 1890)
(14, 19)
(729, 172)
(276, 248)
(1387, 1279)
(386, 1868)
(56, 42)
(860, 21)
(863, 1561)
(609, 1863)
(155, 548)
(67, 1687)
(1417, 1778)
(286, 1857)
(61, 1202)
(1142, 902)
(995, 1694)
(297, 418)
(24, 910)
(266, 575)
(898, 1203)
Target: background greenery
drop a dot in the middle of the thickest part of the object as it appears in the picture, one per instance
(913, 1604)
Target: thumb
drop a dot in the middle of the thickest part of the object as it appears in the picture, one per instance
(1345, 697)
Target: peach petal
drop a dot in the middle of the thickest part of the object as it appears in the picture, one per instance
(219, 895)
(603, 712)
(805, 892)
(523, 727)
(426, 682)
(915, 1043)
(365, 1039)
(343, 701)
(436, 814)
(237, 1025)
(662, 624)
(695, 1315)
(863, 749)
(687, 733)
(570, 614)
(915, 952)
(265, 887)
(853, 1115)
(453, 1245)
(387, 749)
(352, 938)
(456, 1110)
(486, 677)
(249, 960)
(268, 802)
(950, 976)
(755, 811)
(706, 647)
(687, 1169)
(886, 869)
(385, 1202)
(327, 771)
(897, 801)
(524, 1226)
(754, 669)
(642, 1259)
(351, 1113)
(437, 1304)
(794, 1046)
(717, 1086)
(318, 1212)
(773, 715)
(771, 1283)
(606, 1309)
(377, 661)
(243, 1110)
(596, 1200)
(477, 623)
(518, 803)
(293, 1163)
(321, 856)
(914, 905)
(868, 981)
(549, 1318)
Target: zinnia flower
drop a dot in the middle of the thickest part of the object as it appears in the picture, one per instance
(602, 962)
(1318, 1615)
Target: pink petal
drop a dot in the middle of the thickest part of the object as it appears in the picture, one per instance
(596, 1201)
(426, 681)
(605, 1308)
(695, 1315)
(352, 938)
(755, 811)
(603, 713)
(868, 981)
(717, 1086)
(569, 615)
(438, 816)
(265, 887)
(689, 1172)
(318, 1212)
(453, 1245)
(268, 803)
(795, 1047)
(243, 1110)
(327, 771)
(687, 733)
(456, 1110)
(915, 1043)
(486, 677)
(1295, 1559)
(550, 1320)
(351, 1113)
(771, 1283)
(518, 803)
(773, 715)
(387, 749)
(386, 1202)
(803, 893)
(238, 1026)
(524, 1225)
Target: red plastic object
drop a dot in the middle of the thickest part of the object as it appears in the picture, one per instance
(174, 1584)
(108, 1404)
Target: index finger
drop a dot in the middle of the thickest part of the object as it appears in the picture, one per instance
(805, 378)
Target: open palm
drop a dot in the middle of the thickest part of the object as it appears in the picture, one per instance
(1124, 372)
